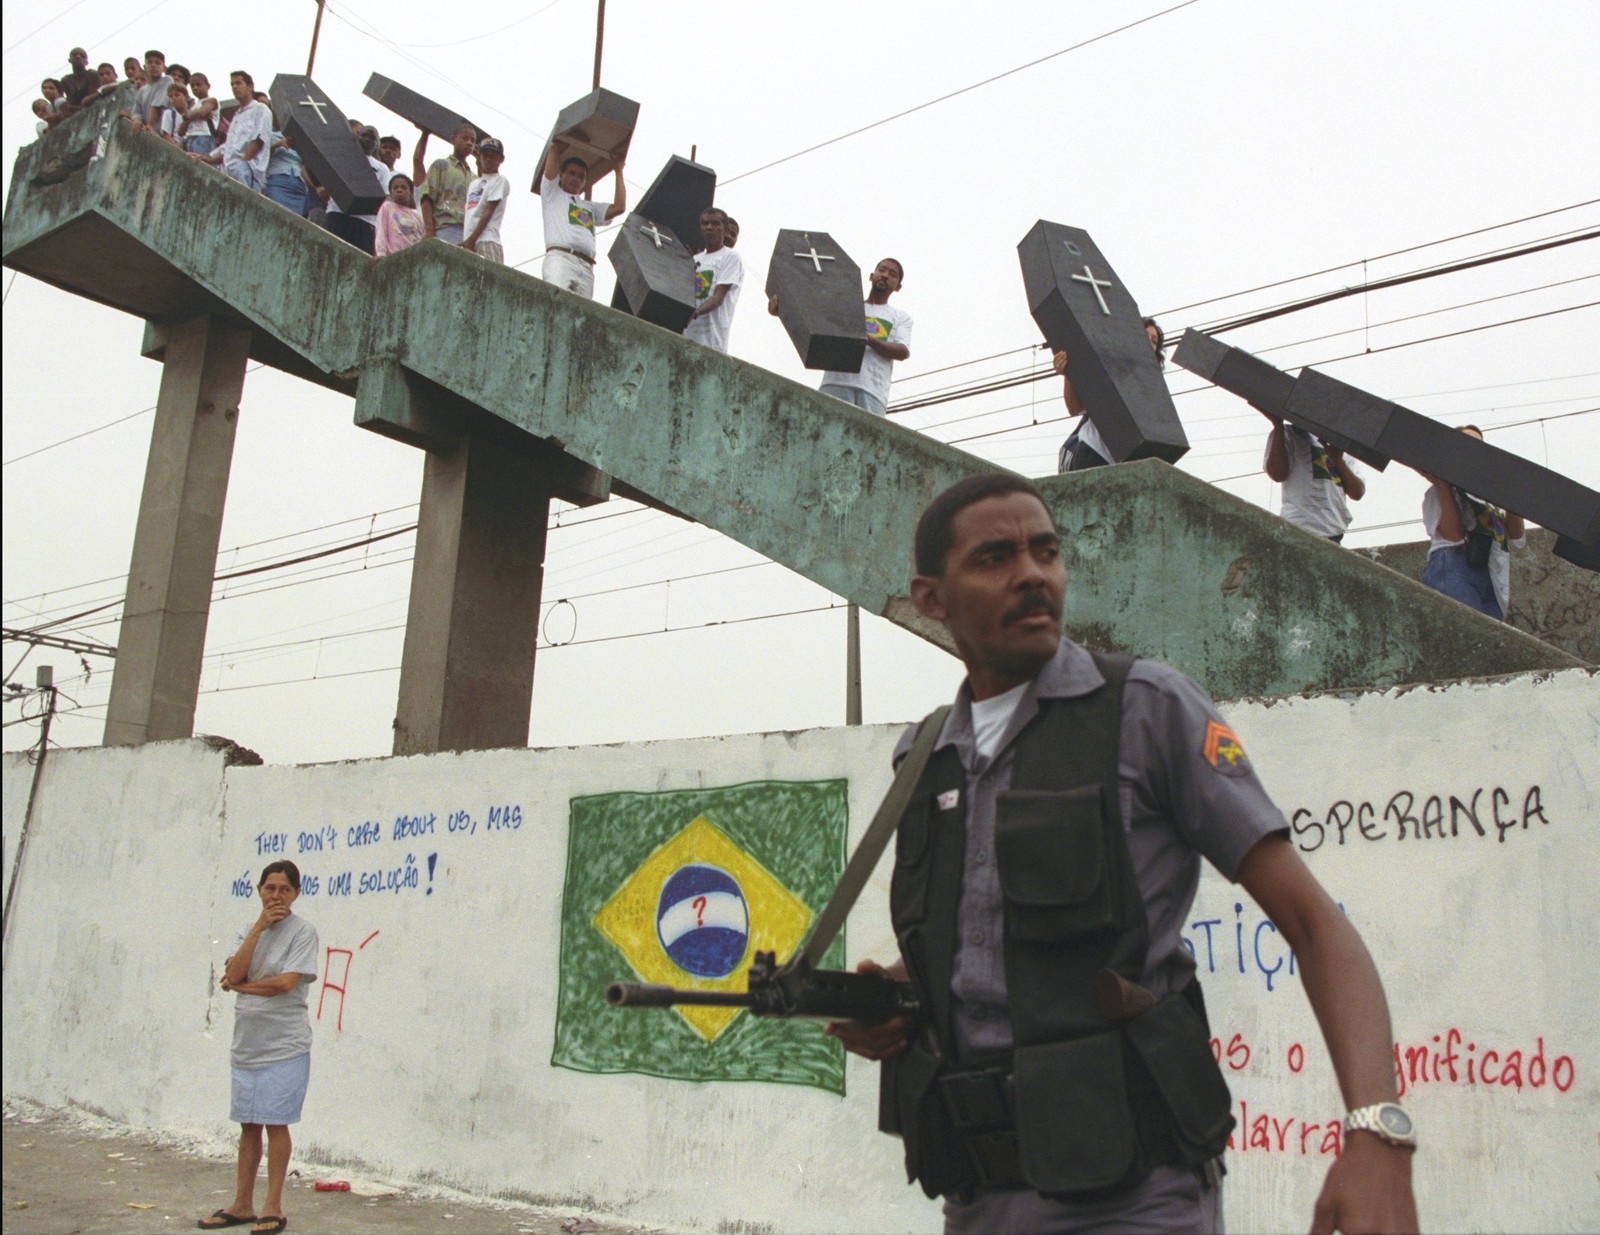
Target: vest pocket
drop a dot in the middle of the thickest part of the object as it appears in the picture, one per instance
(1172, 1041)
(1073, 1122)
(935, 1156)
(1051, 852)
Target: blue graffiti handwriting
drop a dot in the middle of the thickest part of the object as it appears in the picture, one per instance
(242, 887)
(460, 821)
(505, 818)
(339, 885)
(1257, 946)
(271, 842)
(309, 885)
(368, 833)
(315, 842)
(404, 877)
(407, 826)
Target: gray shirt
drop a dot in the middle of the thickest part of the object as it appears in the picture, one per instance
(1186, 791)
(151, 94)
(268, 1029)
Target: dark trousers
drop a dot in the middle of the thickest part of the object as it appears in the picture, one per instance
(352, 230)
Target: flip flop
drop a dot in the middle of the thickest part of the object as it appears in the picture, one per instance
(224, 1219)
(268, 1226)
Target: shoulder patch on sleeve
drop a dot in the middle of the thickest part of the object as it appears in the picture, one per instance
(1223, 751)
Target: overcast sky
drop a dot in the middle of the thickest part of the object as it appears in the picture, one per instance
(1214, 152)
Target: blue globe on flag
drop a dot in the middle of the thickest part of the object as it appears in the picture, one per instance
(702, 921)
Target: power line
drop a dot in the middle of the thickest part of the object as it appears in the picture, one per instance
(955, 93)
(110, 424)
(77, 4)
(1309, 302)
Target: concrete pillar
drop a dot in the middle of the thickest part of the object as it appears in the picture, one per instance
(466, 676)
(159, 651)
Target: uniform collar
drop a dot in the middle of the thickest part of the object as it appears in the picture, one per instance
(1069, 674)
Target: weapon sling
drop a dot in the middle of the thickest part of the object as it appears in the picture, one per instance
(859, 869)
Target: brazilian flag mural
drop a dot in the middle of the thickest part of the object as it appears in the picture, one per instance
(682, 888)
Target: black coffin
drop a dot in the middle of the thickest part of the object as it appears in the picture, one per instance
(674, 201)
(1265, 388)
(418, 109)
(323, 140)
(1487, 472)
(819, 300)
(597, 129)
(1082, 307)
(655, 274)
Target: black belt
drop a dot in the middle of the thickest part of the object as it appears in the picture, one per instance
(561, 248)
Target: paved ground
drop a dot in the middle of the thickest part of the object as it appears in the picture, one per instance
(65, 1173)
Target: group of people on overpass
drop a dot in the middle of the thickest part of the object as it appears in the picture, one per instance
(1469, 539)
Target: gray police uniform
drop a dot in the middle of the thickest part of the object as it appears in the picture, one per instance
(1184, 789)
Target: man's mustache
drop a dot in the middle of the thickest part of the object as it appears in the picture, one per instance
(1038, 602)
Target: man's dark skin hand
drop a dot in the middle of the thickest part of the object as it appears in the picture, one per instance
(883, 1041)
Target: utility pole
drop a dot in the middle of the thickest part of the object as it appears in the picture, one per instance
(316, 30)
(852, 664)
(45, 677)
(599, 41)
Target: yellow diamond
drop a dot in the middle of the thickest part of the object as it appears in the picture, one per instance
(777, 920)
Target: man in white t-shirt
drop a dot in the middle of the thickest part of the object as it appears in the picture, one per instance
(245, 152)
(888, 340)
(1316, 480)
(486, 203)
(570, 218)
(718, 275)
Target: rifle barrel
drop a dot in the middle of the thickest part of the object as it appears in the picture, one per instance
(642, 995)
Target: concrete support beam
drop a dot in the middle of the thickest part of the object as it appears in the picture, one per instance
(162, 642)
(466, 676)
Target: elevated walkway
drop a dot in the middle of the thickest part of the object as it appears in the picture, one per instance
(600, 403)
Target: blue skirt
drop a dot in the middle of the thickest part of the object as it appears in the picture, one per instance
(271, 1095)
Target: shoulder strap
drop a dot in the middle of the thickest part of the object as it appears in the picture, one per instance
(865, 858)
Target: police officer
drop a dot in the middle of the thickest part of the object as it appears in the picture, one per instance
(1060, 1076)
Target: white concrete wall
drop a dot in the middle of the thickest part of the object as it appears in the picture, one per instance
(440, 1065)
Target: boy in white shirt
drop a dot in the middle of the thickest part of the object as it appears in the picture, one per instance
(888, 340)
(718, 275)
(486, 201)
(570, 218)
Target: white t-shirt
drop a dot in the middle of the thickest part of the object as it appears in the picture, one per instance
(1313, 494)
(886, 324)
(713, 270)
(990, 718)
(1499, 554)
(252, 121)
(484, 189)
(569, 220)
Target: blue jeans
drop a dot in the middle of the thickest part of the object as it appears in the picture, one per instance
(288, 191)
(200, 143)
(857, 397)
(1448, 572)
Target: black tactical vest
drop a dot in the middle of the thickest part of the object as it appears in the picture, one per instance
(1097, 1098)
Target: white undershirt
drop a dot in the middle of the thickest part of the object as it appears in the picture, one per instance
(990, 717)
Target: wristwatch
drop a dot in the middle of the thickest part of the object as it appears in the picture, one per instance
(1387, 1120)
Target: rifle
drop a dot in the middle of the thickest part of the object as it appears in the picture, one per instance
(798, 987)
(785, 991)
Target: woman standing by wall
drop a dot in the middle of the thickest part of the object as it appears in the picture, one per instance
(274, 962)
